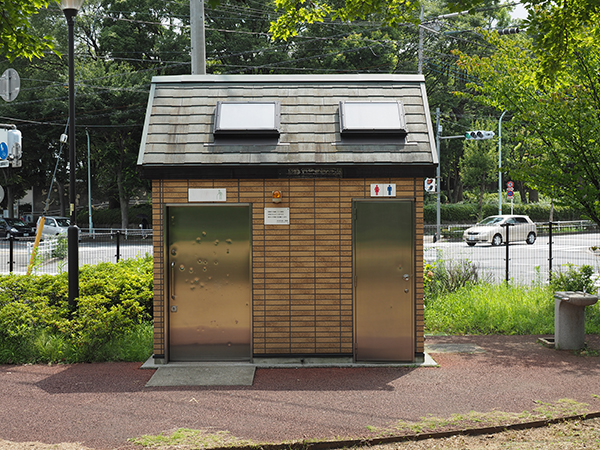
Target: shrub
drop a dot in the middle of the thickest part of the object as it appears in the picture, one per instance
(446, 277)
(574, 279)
(37, 325)
(109, 218)
(62, 247)
(97, 321)
(465, 213)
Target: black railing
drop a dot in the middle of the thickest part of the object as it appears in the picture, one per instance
(557, 245)
(101, 245)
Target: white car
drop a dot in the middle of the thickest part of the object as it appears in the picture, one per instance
(54, 226)
(491, 230)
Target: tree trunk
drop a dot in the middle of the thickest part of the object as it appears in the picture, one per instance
(10, 201)
(123, 198)
(458, 192)
(480, 205)
(124, 201)
(534, 196)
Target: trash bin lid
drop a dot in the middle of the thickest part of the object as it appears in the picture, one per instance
(576, 298)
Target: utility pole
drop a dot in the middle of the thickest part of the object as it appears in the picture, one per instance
(197, 37)
(421, 32)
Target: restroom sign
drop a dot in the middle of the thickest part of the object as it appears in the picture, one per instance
(207, 195)
(383, 190)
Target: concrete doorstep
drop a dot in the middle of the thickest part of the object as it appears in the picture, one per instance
(242, 373)
(203, 375)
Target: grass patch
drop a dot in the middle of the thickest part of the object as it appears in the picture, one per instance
(473, 419)
(185, 438)
(492, 309)
(485, 308)
(188, 439)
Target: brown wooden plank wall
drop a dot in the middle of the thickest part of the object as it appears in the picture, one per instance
(302, 273)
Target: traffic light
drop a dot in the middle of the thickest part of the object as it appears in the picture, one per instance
(508, 31)
(479, 135)
(430, 185)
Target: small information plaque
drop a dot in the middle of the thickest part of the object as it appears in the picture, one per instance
(277, 216)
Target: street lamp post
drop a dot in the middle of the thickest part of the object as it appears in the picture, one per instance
(70, 9)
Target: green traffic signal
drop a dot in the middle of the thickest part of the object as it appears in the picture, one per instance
(479, 134)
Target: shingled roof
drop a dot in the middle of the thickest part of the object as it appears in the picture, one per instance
(179, 138)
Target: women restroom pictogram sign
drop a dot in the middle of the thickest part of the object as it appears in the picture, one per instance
(383, 190)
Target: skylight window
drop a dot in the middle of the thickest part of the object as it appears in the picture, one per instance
(372, 118)
(243, 118)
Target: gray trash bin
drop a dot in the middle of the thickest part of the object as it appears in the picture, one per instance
(569, 318)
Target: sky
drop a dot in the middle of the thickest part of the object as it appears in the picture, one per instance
(519, 12)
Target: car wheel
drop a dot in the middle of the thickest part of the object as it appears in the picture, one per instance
(471, 244)
(497, 240)
(530, 238)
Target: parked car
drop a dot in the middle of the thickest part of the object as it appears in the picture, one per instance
(53, 226)
(15, 228)
(491, 230)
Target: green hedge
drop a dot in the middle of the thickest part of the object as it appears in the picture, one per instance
(111, 218)
(467, 212)
(115, 303)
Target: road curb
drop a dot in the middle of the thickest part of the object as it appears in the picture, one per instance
(349, 443)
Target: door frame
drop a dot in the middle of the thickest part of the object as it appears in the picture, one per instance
(413, 268)
(167, 280)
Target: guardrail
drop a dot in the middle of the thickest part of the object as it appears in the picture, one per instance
(45, 249)
(100, 245)
(454, 232)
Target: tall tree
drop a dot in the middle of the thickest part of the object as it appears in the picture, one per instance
(18, 38)
(560, 114)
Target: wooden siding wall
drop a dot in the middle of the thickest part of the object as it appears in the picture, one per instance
(302, 273)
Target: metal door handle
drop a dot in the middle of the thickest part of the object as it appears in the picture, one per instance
(406, 277)
(172, 281)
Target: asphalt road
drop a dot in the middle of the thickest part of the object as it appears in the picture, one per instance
(527, 263)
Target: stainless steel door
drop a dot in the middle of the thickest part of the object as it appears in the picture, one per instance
(384, 280)
(209, 282)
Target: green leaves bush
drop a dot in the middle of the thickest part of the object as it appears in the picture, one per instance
(37, 325)
(109, 218)
(446, 277)
(573, 278)
(465, 213)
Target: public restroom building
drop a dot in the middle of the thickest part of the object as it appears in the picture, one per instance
(288, 215)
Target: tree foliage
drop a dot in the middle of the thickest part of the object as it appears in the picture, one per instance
(560, 115)
(120, 45)
(553, 23)
(18, 39)
(479, 165)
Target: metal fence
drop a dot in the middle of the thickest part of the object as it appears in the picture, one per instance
(101, 245)
(558, 244)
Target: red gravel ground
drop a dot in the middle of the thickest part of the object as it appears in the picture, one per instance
(103, 405)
